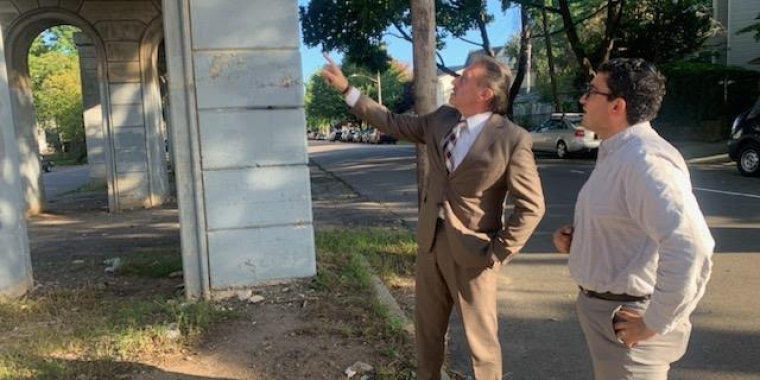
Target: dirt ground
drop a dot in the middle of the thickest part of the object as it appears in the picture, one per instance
(287, 336)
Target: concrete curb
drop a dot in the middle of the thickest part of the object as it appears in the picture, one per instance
(716, 159)
(386, 299)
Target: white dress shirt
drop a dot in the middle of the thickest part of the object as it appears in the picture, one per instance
(468, 135)
(639, 229)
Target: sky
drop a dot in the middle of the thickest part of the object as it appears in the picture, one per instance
(505, 24)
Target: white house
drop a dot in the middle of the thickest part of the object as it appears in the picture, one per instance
(444, 79)
(737, 49)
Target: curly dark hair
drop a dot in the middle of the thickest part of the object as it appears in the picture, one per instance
(639, 83)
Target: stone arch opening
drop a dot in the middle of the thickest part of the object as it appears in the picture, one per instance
(19, 37)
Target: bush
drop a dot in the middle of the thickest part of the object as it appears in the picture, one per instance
(697, 106)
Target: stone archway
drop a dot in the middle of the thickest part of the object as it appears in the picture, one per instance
(237, 126)
(20, 35)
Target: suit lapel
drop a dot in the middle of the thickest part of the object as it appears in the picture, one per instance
(485, 139)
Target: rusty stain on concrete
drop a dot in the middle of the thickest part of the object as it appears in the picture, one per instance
(221, 61)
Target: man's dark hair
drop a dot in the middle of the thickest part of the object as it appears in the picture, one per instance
(639, 83)
(498, 78)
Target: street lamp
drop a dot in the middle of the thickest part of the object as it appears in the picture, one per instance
(377, 82)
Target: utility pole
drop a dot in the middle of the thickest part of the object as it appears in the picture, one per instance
(425, 79)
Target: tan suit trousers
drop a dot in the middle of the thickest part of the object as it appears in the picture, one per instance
(442, 284)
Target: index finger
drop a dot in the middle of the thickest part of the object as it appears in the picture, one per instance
(328, 59)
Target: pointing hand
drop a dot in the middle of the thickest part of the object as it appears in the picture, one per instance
(333, 75)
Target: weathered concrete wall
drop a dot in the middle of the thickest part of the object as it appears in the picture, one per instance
(239, 101)
(15, 262)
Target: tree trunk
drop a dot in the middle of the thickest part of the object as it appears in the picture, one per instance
(550, 59)
(587, 68)
(523, 62)
(425, 80)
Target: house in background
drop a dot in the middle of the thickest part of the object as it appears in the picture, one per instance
(731, 48)
(445, 86)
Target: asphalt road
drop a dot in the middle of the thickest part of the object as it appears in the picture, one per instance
(539, 332)
(64, 179)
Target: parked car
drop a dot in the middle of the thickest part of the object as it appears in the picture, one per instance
(46, 165)
(384, 138)
(348, 135)
(744, 142)
(563, 135)
(335, 135)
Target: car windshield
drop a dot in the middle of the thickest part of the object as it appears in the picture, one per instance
(755, 110)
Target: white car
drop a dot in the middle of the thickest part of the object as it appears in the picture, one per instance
(563, 135)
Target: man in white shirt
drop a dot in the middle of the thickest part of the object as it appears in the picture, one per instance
(640, 249)
(476, 157)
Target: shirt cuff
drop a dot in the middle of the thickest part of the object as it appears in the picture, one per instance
(352, 96)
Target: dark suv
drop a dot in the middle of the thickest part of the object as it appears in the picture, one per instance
(744, 143)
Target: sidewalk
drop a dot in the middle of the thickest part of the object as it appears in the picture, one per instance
(700, 152)
(539, 332)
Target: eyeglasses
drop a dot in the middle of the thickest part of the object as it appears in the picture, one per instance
(590, 90)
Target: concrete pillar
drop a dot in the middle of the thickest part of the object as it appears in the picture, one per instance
(93, 117)
(128, 125)
(15, 261)
(237, 96)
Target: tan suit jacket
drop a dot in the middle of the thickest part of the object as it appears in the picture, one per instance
(499, 163)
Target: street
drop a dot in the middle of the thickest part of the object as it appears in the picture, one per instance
(64, 179)
(539, 333)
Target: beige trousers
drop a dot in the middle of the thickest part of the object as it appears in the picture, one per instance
(440, 285)
(648, 360)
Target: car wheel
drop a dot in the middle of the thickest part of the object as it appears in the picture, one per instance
(561, 149)
(749, 160)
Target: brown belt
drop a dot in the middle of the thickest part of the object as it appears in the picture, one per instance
(607, 296)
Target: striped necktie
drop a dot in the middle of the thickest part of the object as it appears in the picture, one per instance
(450, 141)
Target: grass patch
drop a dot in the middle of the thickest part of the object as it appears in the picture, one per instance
(93, 186)
(65, 159)
(64, 333)
(342, 277)
(154, 263)
(91, 332)
(390, 252)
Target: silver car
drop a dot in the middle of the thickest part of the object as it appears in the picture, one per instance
(563, 135)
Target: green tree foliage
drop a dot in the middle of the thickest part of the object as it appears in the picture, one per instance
(56, 87)
(663, 30)
(358, 28)
(324, 106)
(596, 30)
(585, 33)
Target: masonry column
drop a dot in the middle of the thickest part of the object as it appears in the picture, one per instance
(15, 261)
(237, 98)
(93, 117)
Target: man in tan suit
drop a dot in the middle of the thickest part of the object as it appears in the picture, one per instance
(476, 158)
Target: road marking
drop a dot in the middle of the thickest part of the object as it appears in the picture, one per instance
(727, 192)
